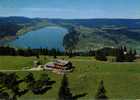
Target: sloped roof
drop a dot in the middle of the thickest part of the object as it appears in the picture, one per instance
(61, 62)
(50, 64)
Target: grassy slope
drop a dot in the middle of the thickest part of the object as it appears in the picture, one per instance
(8, 62)
(98, 38)
(121, 80)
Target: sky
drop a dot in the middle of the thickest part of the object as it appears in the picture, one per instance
(70, 9)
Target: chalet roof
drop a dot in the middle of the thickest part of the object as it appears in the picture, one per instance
(50, 64)
(61, 62)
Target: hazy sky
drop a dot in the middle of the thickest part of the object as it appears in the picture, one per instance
(71, 8)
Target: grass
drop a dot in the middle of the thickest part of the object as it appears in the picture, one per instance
(121, 80)
(8, 62)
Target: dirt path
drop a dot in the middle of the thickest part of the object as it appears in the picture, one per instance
(17, 70)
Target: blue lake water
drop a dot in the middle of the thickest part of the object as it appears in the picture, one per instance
(50, 37)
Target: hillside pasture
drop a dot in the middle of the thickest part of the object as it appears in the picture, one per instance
(121, 80)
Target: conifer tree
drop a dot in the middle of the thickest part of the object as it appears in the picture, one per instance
(101, 92)
(100, 56)
(124, 49)
(64, 91)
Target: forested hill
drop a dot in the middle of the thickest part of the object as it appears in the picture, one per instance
(98, 33)
(12, 26)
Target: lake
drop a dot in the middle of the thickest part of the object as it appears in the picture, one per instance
(48, 37)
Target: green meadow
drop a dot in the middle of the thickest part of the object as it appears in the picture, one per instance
(121, 80)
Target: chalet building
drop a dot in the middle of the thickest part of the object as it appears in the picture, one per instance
(137, 56)
(59, 65)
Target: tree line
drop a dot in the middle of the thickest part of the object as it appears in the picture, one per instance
(6, 50)
(122, 54)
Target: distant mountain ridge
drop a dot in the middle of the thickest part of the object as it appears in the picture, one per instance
(130, 23)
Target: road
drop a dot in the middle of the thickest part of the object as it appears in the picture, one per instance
(18, 70)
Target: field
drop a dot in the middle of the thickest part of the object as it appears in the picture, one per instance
(121, 80)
